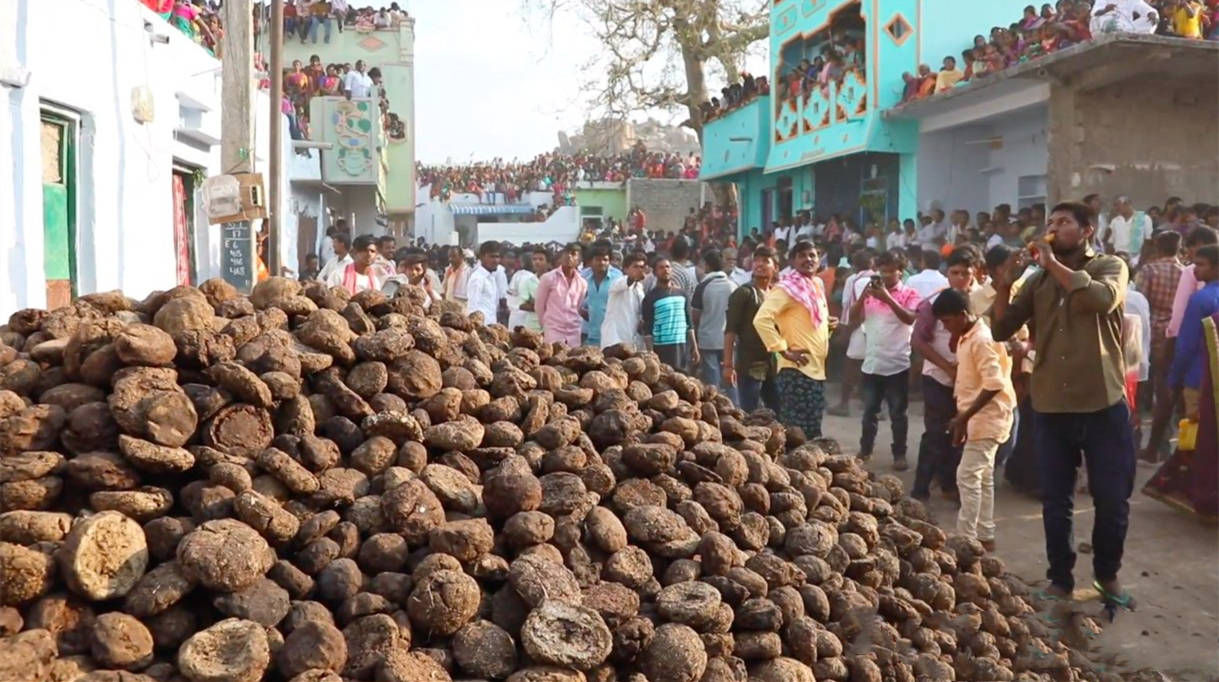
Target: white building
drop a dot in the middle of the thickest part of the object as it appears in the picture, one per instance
(111, 118)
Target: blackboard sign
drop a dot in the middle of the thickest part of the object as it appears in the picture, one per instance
(237, 263)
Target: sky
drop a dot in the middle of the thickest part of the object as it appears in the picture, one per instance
(491, 83)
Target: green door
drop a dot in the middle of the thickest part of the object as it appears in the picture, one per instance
(58, 209)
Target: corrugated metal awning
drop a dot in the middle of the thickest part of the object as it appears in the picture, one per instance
(490, 209)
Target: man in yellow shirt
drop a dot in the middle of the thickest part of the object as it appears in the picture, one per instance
(948, 76)
(794, 321)
(1187, 19)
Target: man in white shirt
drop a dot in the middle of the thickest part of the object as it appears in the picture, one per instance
(456, 276)
(1118, 16)
(1128, 230)
(482, 288)
(341, 244)
(738, 276)
(930, 234)
(783, 231)
(358, 274)
(930, 279)
(852, 290)
(523, 289)
(622, 310)
(357, 83)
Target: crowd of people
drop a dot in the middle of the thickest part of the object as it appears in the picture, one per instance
(841, 53)
(1060, 25)
(198, 19)
(734, 96)
(302, 83)
(968, 309)
(554, 172)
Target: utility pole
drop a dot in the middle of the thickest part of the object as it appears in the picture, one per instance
(277, 117)
(237, 89)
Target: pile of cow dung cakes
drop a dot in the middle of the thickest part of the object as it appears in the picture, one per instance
(302, 485)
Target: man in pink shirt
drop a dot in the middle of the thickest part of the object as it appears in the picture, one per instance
(887, 309)
(560, 295)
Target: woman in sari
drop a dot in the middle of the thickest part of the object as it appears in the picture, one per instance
(1189, 480)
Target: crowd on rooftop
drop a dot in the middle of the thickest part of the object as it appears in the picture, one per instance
(734, 95)
(1060, 25)
(554, 172)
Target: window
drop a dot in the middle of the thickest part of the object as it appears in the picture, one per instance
(1030, 190)
(899, 29)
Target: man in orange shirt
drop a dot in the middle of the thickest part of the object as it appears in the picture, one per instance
(985, 403)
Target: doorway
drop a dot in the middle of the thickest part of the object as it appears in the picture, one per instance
(59, 176)
(184, 188)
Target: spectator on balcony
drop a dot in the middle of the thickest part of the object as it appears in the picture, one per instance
(297, 81)
(357, 83)
(319, 15)
(291, 18)
(948, 76)
(1123, 16)
(1187, 16)
(316, 73)
(339, 10)
(330, 82)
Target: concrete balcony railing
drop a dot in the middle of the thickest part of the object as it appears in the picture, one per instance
(352, 129)
(736, 141)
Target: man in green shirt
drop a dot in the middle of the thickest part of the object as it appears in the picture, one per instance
(1074, 308)
(747, 365)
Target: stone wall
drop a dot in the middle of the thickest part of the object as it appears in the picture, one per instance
(1148, 138)
(665, 202)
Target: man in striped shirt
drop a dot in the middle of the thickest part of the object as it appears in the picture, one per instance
(666, 319)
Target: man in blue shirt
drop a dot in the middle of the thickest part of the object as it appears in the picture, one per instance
(1187, 360)
(599, 277)
(666, 319)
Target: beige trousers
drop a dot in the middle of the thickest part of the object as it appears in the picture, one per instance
(976, 484)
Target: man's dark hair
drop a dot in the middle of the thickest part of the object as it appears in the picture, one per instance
(800, 247)
(714, 260)
(342, 238)
(1201, 236)
(862, 259)
(681, 248)
(1168, 243)
(950, 302)
(764, 251)
(386, 239)
(542, 250)
(403, 253)
(341, 224)
(967, 255)
(599, 249)
(931, 259)
(633, 258)
(997, 255)
(374, 72)
(311, 256)
(363, 242)
(488, 249)
(1208, 253)
(1082, 212)
(894, 258)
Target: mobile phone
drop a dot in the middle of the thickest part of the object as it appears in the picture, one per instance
(390, 288)
(876, 281)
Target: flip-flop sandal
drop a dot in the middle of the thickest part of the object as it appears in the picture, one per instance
(1113, 602)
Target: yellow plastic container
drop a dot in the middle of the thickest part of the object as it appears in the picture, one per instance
(1187, 435)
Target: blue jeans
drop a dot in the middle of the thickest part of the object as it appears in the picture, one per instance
(893, 390)
(314, 21)
(755, 393)
(1106, 441)
(711, 372)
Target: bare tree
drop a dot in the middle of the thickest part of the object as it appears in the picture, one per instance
(657, 53)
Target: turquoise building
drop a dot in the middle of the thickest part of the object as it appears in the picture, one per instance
(829, 149)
